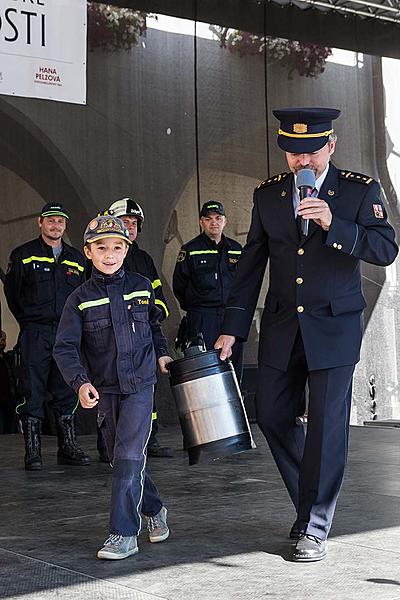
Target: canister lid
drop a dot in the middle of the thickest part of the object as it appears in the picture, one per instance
(197, 365)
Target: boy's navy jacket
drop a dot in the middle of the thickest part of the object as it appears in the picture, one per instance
(109, 334)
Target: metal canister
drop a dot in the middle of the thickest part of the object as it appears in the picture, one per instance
(210, 406)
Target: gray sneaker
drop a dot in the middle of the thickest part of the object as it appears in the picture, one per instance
(157, 526)
(117, 547)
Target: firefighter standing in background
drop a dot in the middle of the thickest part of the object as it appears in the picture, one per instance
(41, 275)
(139, 261)
(203, 276)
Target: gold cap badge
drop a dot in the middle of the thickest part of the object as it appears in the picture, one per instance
(300, 128)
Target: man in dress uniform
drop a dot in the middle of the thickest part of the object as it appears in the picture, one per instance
(203, 276)
(41, 275)
(311, 328)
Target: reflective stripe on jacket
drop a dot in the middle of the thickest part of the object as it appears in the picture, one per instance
(109, 334)
(204, 272)
(37, 285)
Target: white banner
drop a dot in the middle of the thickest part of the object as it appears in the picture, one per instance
(43, 49)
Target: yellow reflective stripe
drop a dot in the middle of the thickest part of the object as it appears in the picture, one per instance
(154, 416)
(91, 303)
(76, 405)
(155, 284)
(203, 252)
(38, 258)
(144, 293)
(20, 406)
(234, 252)
(305, 135)
(70, 263)
(161, 303)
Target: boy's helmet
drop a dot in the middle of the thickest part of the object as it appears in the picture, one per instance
(105, 226)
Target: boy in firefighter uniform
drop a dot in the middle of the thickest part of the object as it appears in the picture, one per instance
(108, 343)
(139, 261)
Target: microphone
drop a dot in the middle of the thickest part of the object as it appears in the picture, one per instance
(306, 183)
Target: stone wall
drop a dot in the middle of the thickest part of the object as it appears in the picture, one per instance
(136, 136)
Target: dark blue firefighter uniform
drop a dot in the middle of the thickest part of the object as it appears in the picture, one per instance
(109, 334)
(36, 287)
(125, 423)
(202, 281)
(139, 261)
(311, 328)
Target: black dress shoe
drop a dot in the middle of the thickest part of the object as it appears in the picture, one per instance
(310, 548)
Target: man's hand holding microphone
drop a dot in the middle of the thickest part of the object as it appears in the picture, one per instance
(310, 207)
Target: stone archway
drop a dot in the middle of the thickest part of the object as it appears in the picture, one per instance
(33, 171)
(28, 152)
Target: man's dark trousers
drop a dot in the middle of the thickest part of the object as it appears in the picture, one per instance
(40, 374)
(125, 423)
(311, 464)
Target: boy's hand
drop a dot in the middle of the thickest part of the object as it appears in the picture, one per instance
(88, 395)
(162, 363)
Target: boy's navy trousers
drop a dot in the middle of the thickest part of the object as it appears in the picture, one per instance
(125, 423)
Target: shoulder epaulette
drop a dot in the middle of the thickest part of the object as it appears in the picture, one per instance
(358, 177)
(273, 180)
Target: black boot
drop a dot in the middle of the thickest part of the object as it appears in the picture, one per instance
(31, 428)
(154, 449)
(69, 452)
(101, 447)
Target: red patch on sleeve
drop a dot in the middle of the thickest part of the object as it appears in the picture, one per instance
(378, 211)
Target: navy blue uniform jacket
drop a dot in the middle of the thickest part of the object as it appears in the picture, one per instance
(139, 261)
(109, 334)
(204, 272)
(37, 286)
(315, 283)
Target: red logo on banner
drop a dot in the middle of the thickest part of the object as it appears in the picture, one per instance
(48, 76)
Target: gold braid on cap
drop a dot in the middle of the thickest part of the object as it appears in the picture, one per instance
(305, 135)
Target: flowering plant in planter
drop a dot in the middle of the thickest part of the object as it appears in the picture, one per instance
(306, 58)
(113, 28)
